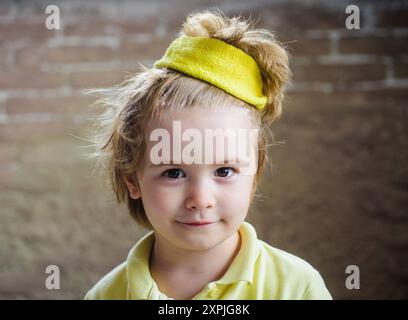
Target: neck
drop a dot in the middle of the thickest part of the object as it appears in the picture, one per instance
(169, 259)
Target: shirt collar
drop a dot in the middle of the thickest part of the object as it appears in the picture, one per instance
(138, 274)
(142, 285)
(243, 265)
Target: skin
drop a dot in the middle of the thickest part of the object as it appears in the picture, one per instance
(186, 257)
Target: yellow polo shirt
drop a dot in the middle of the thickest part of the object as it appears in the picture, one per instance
(258, 272)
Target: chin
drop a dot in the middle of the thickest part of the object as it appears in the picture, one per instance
(197, 245)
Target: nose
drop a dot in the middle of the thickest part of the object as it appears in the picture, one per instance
(200, 196)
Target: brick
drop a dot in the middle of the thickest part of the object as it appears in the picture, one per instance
(3, 58)
(62, 105)
(5, 179)
(374, 45)
(395, 18)
(176, 14)
(8, 153)
(30, 10)
(58, 149)
(333, 73)
(29, 131)
(297, 19)
(5, 9)
(146, 25)
(96, 79)
(101, 26)
(20, 79)
(306, 47)
(91, 27)
(153, 49)
(73, 54)
(400, 68)
(25, 30)
(33, 56)
(30, 57)
(307, 102)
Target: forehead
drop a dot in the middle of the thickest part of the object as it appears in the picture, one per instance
(202, 118)
(201, 136)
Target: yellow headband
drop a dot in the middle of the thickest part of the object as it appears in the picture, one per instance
(218, 63)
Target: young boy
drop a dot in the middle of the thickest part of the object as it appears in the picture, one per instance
(219, 79)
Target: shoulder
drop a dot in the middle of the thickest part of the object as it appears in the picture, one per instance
(293, 277)
(285, 262)
(112, 286)
(127, 277)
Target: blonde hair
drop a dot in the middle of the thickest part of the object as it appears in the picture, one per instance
(120, 137)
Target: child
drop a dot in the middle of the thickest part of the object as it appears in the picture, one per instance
(219, 74)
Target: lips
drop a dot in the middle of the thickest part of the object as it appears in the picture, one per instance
(197, 223)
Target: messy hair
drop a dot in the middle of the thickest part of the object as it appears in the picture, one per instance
(126, 109)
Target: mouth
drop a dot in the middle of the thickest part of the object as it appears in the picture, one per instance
(198, 223)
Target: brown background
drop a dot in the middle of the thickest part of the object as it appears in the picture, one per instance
(337, 195)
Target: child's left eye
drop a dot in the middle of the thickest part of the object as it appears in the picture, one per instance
(224, 172)
(174, 174)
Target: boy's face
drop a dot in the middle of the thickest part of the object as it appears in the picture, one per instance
(195, 205)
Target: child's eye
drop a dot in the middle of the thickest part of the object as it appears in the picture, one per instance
(174, 173)
(224, 172)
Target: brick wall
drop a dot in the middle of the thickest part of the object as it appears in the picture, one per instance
(337, 197)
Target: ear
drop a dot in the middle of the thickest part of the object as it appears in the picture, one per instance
(133, 187)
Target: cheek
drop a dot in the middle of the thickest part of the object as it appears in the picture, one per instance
(244, 186)
(237, 196)
(159, 199)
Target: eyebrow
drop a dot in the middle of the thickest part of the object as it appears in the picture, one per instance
(226, 161)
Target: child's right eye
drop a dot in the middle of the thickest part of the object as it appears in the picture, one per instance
(174, 173)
